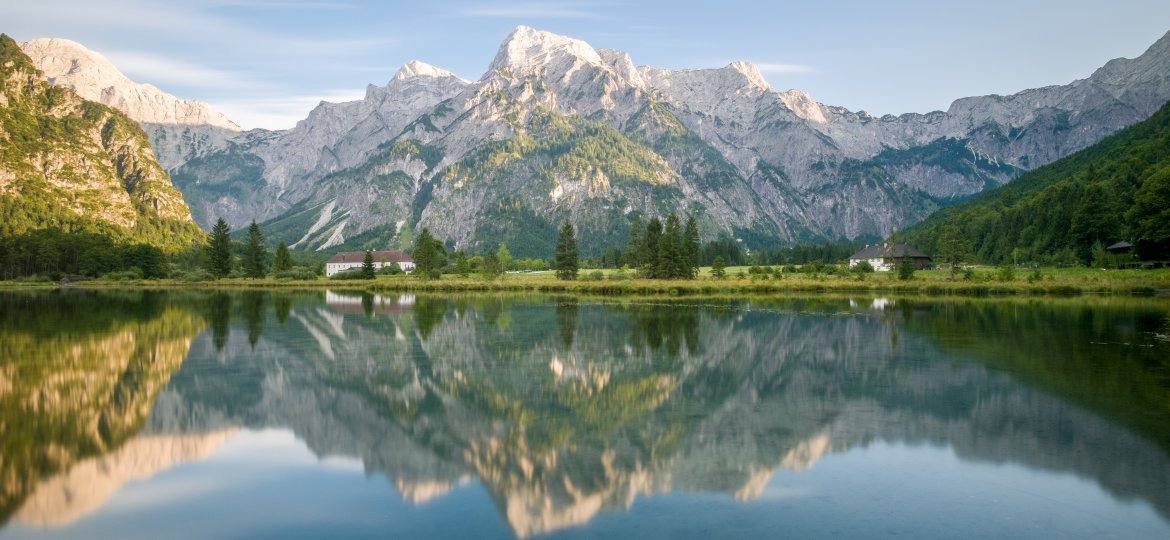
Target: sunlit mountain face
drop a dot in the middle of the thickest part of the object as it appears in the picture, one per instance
(357, 414)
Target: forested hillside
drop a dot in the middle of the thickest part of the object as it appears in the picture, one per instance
(75, 165)
(1116, 190)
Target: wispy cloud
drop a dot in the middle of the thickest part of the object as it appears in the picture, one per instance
(163, 71)
(286, 5)
(769, 67)
(271, 110)
(535, 10)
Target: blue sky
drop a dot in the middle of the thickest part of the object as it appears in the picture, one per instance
(266, 63)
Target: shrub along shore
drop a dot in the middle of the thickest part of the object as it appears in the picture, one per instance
(738, 281)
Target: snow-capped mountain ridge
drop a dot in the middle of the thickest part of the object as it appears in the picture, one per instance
(752, 161)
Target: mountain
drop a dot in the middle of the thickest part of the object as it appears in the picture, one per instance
(77, 165)
(555, 130)
(1118, 189)
(178, 128)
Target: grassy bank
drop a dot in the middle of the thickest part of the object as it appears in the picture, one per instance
(980, 282)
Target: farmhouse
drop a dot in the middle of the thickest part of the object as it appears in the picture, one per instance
(353, 259)
(885, 257)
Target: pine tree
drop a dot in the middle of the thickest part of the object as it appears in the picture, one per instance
(669, 253)
(648, 251)
(256, 256)
(634, 245)
(953, 248)
(566, 254)
(462, 264)
(368, 265)
(219, 250)
(691, 248)
(429, 255)
(718, 268)
(283, 260)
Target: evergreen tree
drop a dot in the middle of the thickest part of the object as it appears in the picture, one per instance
(953, 248)
(566, 254)
(691, 248)
(669, 264)
(283, 260)
(429, 255)
(718, 268)
(219, 250)
(612, 258)
(256, 255)
(648, 251)
(906, 268)
(634, 245)
(368, 265)
(462, 265)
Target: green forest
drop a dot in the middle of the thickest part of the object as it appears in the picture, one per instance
(1063, 213)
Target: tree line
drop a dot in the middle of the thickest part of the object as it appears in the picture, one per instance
(1067, 212)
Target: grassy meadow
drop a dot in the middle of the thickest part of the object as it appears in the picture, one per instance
(975, 281)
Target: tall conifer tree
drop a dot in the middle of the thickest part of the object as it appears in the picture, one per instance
(219, 250)
(283, 260)
(256, 256)
(648, 252)
(691, 248)
(566, 254)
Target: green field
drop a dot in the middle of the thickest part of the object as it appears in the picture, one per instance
(981, 281)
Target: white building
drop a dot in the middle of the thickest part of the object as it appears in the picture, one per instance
(347, 260)
(885, 257)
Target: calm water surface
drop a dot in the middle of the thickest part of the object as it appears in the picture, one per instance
(324, 414)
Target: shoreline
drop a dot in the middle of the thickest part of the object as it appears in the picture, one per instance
(529, 284)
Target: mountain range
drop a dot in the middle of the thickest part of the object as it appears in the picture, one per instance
(556, 130)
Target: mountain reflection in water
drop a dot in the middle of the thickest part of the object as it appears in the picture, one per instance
(563, 408)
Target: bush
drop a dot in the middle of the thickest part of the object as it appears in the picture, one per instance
(1035, 275)
(1006, 273)
(621, 274)
(906, 269)
(198, 274)
(393, 269)
(595, 275)
(298, 273)
(123, 275)
(863, 267)
(345, 275)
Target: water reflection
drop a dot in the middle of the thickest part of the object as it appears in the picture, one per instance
(563, 409)
(78, 375)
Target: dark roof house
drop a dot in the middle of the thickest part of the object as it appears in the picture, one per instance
(885, 256)
(379, 257)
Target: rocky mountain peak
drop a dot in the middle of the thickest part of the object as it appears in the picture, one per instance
(623, 66)
(529, 51)
(95, 78)
(751, 74)
(414, 69)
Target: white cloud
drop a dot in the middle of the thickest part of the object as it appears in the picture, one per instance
(163, 72)
(274, 110)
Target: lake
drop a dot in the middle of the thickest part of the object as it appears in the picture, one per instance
(196, 414)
